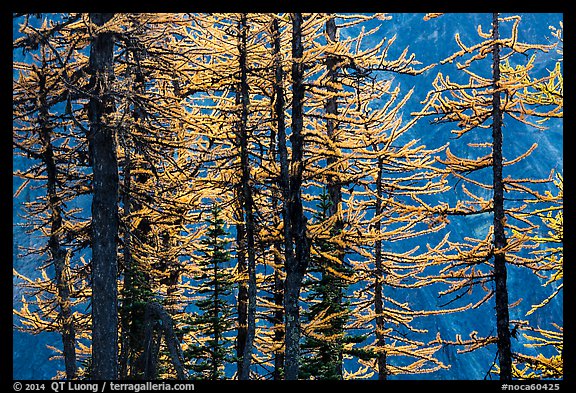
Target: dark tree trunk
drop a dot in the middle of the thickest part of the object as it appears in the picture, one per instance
(282, 149)
(136, 280)
(60, 257)
(242, 300)
(104, 206)
(156, 318)
(378, 300)
(296, 268)
(127, 259)
(500, 273)
(278, 86)
(334, 187)
(126, 313)
(62, 268)
(244, 371)
(292, 287)
(148, 360)
(242, 266)
(331, 107)
(278, 321)
(170, 268)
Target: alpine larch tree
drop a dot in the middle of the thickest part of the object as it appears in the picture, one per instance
(490, 102)
(244, 196)
(46, 137)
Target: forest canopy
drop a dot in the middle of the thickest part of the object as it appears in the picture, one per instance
(258, 196)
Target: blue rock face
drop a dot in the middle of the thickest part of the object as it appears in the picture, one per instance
(431, 41)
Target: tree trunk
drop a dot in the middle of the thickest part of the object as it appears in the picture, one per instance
(278, 321)
(104, 206)
(278, 87)
(127, 298)
(378, 300)
(60, 257)
(331, 107)
(136, 279)
(244, 372)
(334, 186)
(157, 318)
(500, 273)
(242, 300)
(170, 269)
(296, 268)
(292, 287)
(127, 202)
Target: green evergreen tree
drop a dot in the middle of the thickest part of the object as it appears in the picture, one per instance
(211, 347)
(324, 345)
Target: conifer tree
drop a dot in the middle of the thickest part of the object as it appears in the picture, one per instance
(331, 285)
(298, 249)
(272, 341)
(226, 89)
(247, 201)
(486, 102)
(279, 125)
(399, 173)
(156, 207)
(47, 136)
(359, 139)
(324, 343)
(135, 228)
(212, 324)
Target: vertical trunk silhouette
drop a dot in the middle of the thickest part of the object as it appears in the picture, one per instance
(60, 256)
(127, 298)
(278, 322)
(500, 273)
(248, 205)
(334, 187)
(278, 87)
(129, 335)
(378, 300)
(158, 323)
(296, 267)
(104, 205)
(242, 299)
